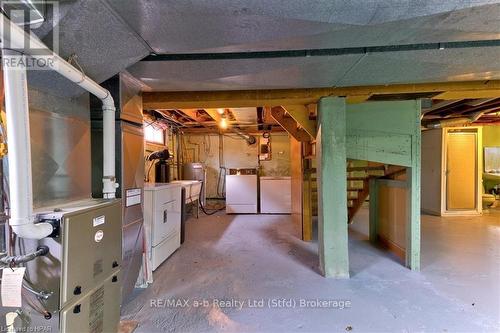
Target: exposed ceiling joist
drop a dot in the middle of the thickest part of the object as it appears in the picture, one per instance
(214, 113)
(192, 113)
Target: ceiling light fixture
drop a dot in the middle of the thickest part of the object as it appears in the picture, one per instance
(223, 123)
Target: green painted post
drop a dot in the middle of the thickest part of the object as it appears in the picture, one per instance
(332, 188)
(373, 212)
(413, 179)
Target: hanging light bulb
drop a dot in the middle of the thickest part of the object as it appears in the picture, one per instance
(220, 111)
(223, 123)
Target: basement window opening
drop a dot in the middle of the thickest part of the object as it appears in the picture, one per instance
(154, 134)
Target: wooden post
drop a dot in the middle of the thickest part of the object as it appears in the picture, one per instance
(332, 188)
(307, 230)
(373, 213)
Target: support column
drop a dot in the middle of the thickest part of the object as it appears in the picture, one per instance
(413, 223)
(307, 227)
(373, 212)
(413, 200)
(332, 188)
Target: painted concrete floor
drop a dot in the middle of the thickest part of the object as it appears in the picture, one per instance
(255, 258)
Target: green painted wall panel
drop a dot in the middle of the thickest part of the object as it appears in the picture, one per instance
(389, 132)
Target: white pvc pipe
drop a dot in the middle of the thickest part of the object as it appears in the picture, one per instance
(18, 132)
(14, 37)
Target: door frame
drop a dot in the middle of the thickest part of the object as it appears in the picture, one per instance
(479, 169)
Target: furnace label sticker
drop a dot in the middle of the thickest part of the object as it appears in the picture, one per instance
(12, 281)
(99, 220)
(133, 197)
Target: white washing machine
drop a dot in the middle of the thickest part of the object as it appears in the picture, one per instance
(241, 192)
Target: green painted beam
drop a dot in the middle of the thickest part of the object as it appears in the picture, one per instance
(379, 146)
(332, 188)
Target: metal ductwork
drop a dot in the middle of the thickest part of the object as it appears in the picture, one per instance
(250, 139)
(15, 38)
(26, 12)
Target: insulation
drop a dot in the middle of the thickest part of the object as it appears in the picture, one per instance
(103, 42)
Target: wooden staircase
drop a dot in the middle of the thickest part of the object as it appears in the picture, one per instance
(358, 183)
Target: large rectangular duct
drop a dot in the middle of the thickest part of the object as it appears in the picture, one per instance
(129, 163)
(25, 12)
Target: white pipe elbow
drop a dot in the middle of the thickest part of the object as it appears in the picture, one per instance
(28, 229)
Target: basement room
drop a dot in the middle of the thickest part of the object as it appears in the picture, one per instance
(249, 166)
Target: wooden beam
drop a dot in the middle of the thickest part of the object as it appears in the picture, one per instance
(354, 99)
(275, 97)
(214, 129)
(462, 94)
(191, 113)
(289, 124)
(300, 113)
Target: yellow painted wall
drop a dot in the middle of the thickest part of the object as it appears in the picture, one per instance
(491, 138)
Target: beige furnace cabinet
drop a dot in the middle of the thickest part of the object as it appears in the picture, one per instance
(451, 171)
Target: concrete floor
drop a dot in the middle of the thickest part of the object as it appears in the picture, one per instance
(257, 257)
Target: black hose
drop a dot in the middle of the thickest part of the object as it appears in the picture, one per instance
(9, 261)
(201, 204)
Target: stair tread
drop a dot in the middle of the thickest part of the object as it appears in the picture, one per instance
(366, 168)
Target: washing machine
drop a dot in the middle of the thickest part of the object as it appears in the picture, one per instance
(241, 191)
